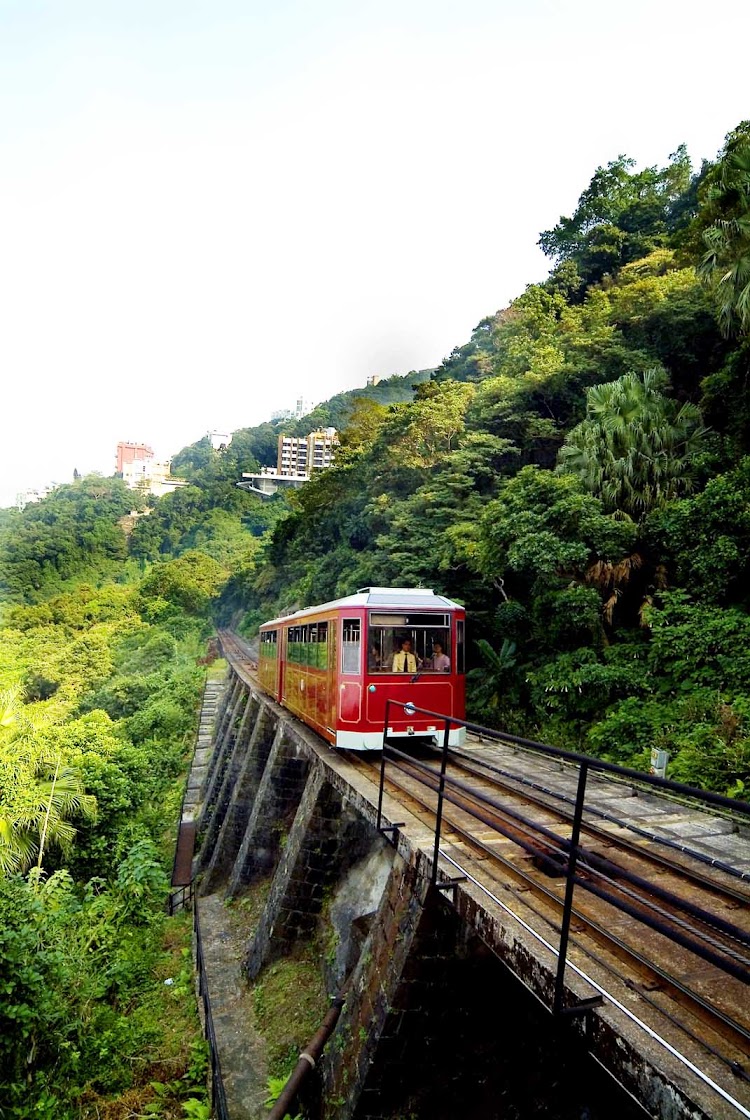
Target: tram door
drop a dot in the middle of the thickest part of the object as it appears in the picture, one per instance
(283, 632)
(350, 687)
(328, 716)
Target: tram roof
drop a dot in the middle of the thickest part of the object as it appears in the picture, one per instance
(414, 598)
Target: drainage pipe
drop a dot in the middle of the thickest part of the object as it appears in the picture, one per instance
(307, 1061)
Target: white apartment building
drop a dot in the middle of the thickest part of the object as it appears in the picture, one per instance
(298, 458)
(302, 455)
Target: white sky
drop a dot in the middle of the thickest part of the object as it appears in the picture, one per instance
(210, 208)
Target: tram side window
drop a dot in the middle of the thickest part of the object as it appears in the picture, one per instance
(460, 646)
(351, 645)
(308, 645)
(268, 643)
(428, 637)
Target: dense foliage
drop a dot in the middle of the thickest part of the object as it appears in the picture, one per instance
(99, 683)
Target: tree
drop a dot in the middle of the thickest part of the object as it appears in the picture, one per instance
(726, 262)
(622, 215)
(189, 583)
(365, 421)
(496, 680)
(705, 539)
(636, 448)
(543, 531)
(433, 422)
(472, 361)
(39, 793)
(74, 528)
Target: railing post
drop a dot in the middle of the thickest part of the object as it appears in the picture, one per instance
(382, 764)
(441, 791)
(569, 886)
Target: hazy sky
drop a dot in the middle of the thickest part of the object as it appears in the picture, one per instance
(209, 209)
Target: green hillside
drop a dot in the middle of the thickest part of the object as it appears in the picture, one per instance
(575, 473)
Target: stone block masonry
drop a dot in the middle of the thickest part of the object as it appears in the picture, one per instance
(213, 694)
(273, 810)
(231, 726)
(182, 870)
(229, 824)
(227, 774)
(326, 838)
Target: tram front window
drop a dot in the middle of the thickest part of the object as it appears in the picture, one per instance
(409, 644)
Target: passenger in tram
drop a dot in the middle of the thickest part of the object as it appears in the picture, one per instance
(439, 661)
(374, 664)
(405, 660)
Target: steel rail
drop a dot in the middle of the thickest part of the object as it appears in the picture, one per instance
(643, 781)
(666, 914)
(606, 934)
(593, 763)
(562, 846)
(682, 939)
(242, 655)
(600, 864)
(589, 862)
(627, 980)
(638, 830)
(603, 992)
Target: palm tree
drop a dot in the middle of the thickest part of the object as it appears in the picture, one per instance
(496, 678)
(39, 794)
(726, 262)
(636, 447)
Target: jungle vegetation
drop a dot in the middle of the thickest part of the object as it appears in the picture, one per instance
(577, 474)
(99, 685)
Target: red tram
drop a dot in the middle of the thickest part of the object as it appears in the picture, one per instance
(334, 666)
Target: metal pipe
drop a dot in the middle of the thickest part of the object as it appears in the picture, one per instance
(307, 1061)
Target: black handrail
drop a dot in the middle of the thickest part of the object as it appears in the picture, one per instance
(569, 852)
(588, 760)
(179, 898)
(218, 1092)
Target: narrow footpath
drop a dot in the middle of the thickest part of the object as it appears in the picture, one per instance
(182, 872)
(242, 1051)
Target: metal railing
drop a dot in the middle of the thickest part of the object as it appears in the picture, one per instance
(179, 898)
(560, 854)
(218, 1092)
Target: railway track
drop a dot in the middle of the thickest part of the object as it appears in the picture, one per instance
(659, 927)
(238, 652)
